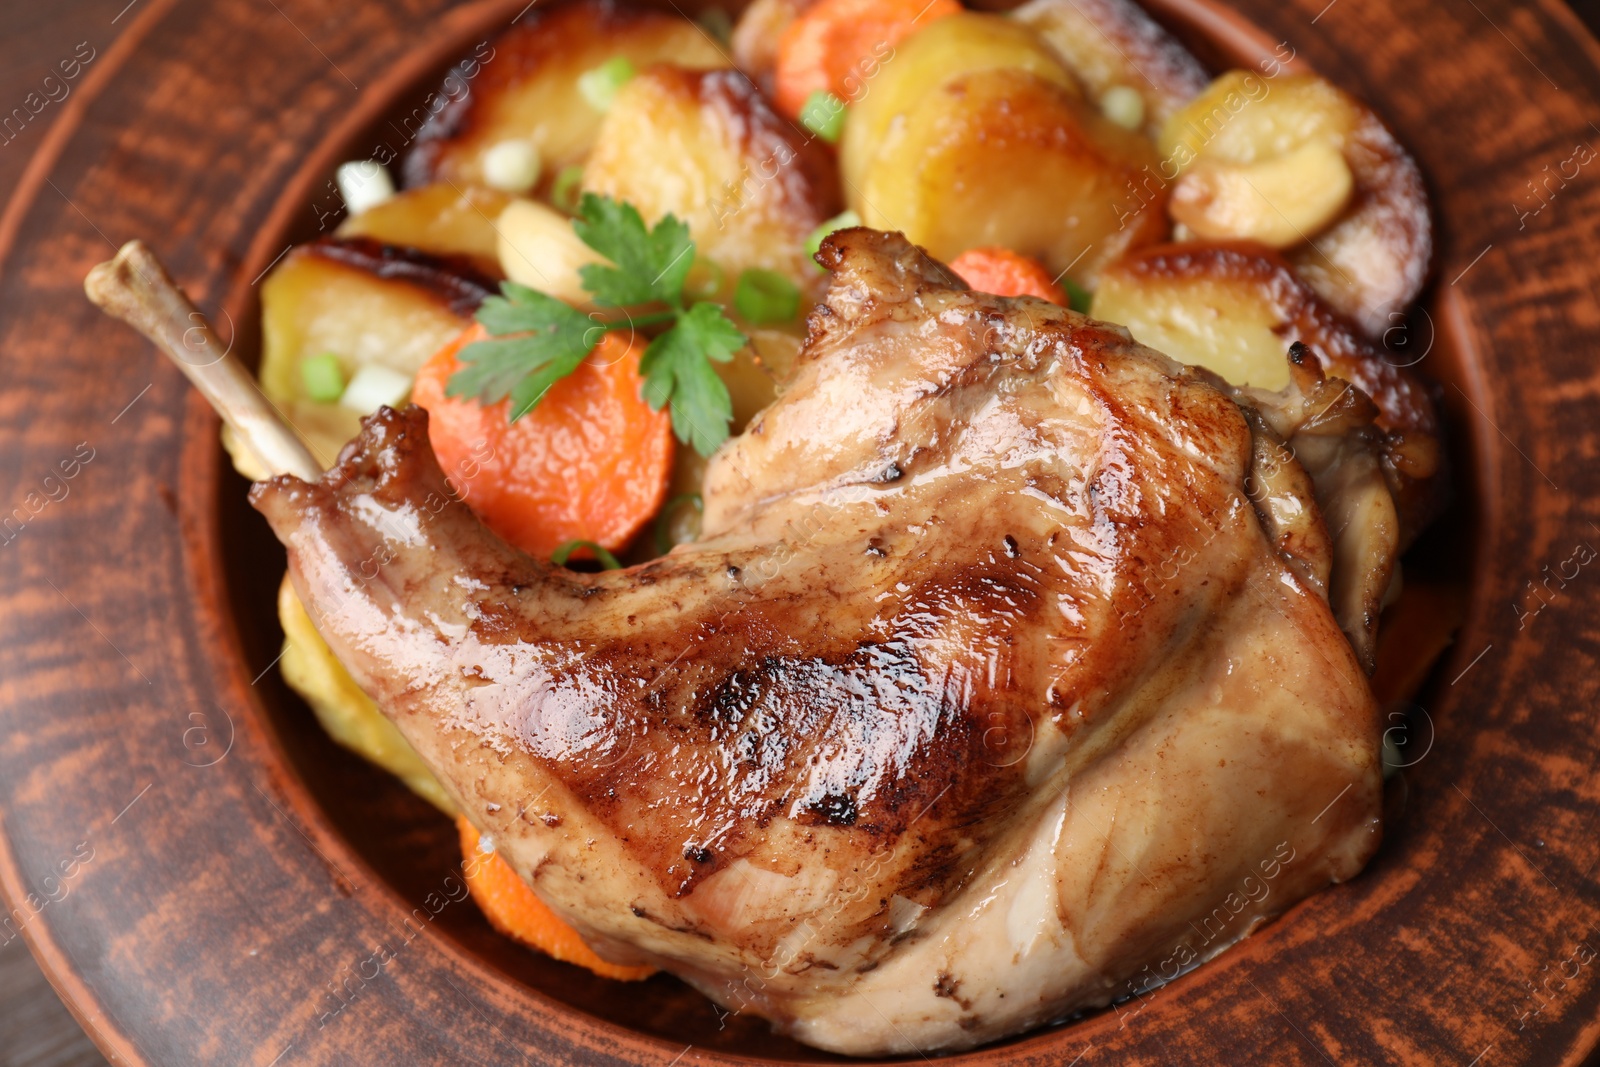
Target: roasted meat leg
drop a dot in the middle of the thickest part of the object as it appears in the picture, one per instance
(1003, 683)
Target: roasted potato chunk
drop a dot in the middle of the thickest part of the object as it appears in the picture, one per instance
(1007, 157)
(1316, 174)
(1112, 43)
(528, 86)
(929, 58)
(365, 303)
(1237, 309)
(444, 219)
(705, 146)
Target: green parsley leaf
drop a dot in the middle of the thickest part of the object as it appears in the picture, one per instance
(677, 367)
(538, 340)
(649, 264)
(712, 331)
(764, 297)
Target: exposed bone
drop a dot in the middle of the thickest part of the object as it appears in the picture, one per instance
(135, 288)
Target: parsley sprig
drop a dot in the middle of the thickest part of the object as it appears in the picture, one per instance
(538, 340)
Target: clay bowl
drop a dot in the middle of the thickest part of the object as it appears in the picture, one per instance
(206, 877)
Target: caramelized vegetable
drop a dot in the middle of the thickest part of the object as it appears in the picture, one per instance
(591, 461)
(516, 911)
(363, 303)
(1311, 170)
(1114, 45)
(444, 219)
(928, 59)
(527, 88)
(1237, 309)
(707, 148)
(837, 46)
(1004, 273)
(1009, 157)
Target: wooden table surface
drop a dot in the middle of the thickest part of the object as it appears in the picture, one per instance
(35, 1028)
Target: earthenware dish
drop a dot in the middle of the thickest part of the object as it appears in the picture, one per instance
(199, 869)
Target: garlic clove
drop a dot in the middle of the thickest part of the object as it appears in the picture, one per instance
(1281, 202)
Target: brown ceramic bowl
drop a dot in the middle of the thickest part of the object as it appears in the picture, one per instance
(207, 878)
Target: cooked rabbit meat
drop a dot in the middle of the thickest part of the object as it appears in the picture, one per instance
(1002, 683)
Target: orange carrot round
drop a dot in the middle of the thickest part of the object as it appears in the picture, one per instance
(513, 909)
(838, 45)
(1005, 273)
(591, 461)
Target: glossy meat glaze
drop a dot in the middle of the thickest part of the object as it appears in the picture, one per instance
(1003, 681)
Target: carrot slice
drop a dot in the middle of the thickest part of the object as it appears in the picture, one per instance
(513, 909)
(1413, 633)
(1005, 273)
(837, 45)
(590, 462)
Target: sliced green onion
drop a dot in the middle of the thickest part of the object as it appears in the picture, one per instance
(664, 541)
(1123, 105)
(705, 278)
(564, 192)
(363, 184)
(323, 377)
(599, 86)
(842, 221)
(374, 387)
(560, 556)
(823, 115)
(718, 23)
(765, 297)
(512, 166)
(1078, 298)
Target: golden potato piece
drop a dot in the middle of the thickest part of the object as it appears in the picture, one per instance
(1111, 43)
(444, 219)
(1008, 158)
(1207, 317)
(929, 58)
(345, 712)
(363, 302)
(527, 86)
(707, 148)
(1371, 259)
(1237, 309)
